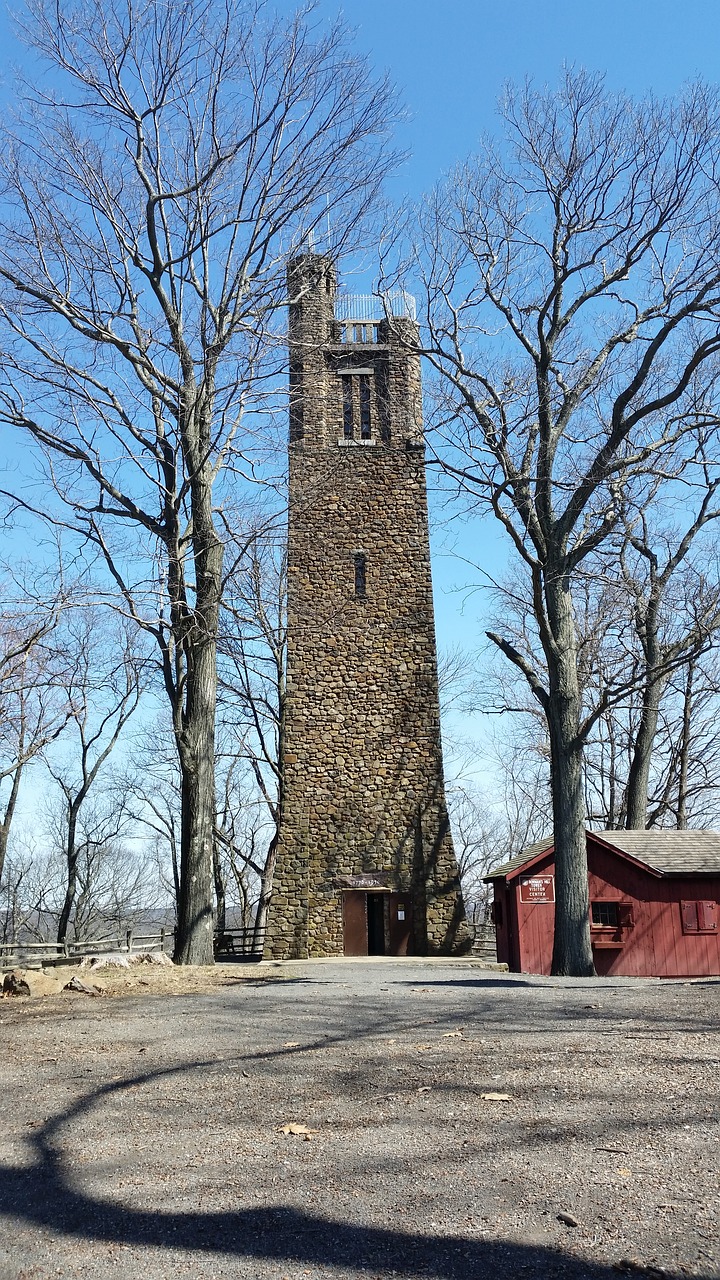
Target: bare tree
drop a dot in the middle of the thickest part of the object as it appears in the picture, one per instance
(570, 288)
(33, 889)
(481, 838)
(33, 708)
(151, 200)
(675, 607)
(103, 690)
(150, 782)
(252, 714)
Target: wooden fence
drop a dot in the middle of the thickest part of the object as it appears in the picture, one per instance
(235, 944)
(230, 944)
(240, 944)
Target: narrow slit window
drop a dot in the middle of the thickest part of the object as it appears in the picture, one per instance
(296, 400)
(364, 406)
(360, 574)
(347, 407)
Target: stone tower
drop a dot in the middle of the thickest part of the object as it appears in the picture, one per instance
(365, 862)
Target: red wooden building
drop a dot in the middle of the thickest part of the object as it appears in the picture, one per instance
(654, 899)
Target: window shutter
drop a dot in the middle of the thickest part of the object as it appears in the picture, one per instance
(707, 915)
(626, 917)
(689, 916)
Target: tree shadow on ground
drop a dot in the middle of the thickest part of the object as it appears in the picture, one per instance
(43, 1195)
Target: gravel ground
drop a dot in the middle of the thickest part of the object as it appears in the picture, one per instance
(141, 1136)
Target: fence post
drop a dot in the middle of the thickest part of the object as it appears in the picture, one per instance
(66, 948)
(162, 939)
(129, 940)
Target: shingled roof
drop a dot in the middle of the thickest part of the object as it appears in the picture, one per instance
(667, 853)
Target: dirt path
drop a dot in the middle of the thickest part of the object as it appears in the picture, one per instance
(142, 1136)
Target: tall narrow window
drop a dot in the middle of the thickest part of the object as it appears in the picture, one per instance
(360, 574)
(296, 400)
(364, 406)
(347, 408)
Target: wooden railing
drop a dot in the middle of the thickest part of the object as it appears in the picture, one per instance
(230, 944)
(24, 952)
(239, 944)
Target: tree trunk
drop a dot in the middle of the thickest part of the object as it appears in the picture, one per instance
(685, 748)
(6, 823)
(639, 774)
(266, 883)
(196, 741)
(194, 938)
(220, 907)
(266, 886)
(71, 887)
(572, 951)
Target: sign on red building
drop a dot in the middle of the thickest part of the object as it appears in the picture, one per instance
(537, 888)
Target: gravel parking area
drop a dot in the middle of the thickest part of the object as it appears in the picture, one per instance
(462, 1124)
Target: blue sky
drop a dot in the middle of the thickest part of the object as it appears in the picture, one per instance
(450, 61)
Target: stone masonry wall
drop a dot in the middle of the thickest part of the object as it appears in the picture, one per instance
(364, 786)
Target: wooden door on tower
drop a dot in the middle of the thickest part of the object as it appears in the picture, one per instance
(355, 925)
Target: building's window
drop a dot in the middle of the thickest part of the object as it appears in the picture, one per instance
(359, 333)
(296, 400)
(347, 407)
(364, 406)
(360, 574)
(605, 914)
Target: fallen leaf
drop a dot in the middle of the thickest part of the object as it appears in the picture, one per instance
(451, 1035)
(291, 1044)
(496, 1097)
(625, 1173)
(300, 1129)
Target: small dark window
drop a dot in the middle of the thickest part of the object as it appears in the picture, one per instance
(605, 914)
(347, 408)
(360, 574)
(364, 406)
